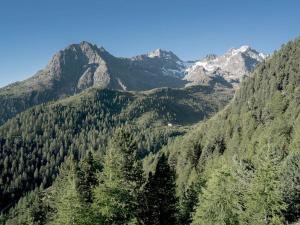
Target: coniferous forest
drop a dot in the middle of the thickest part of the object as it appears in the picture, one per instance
(199, 155)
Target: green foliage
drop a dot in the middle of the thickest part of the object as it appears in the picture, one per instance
(264, 199)
(290, 178)
(39, 210)
(86, 178)
(35, 143)
(33, 209)
(116, 196)
(189, 201)
(159, 196)
(2, 219)
(66, 201)
(263, 116)
(65, 196)
(218, 203)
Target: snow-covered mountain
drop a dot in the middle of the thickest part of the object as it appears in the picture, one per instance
(84, 65)
(233, 66)
(162, 62)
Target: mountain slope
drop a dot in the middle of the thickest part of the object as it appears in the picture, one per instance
(34, 143)
(233, 66)
(81, 66)
(263, 118)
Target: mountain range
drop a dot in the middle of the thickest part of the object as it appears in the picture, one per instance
(84, 65)
(215, 151)
(233, 66)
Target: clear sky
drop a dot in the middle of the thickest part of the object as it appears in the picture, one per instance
(31, 31)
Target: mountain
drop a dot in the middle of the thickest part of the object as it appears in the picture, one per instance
(249, 151)
(84, 65)
(233, 66)
(81, 66)
(36, 142)
(161, 62)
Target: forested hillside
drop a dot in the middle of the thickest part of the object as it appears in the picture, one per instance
(35, 143)
(109, 157)
(247, 156)
(82, 66)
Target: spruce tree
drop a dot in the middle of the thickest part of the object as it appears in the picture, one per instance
(290, 178)
(218, 203)
(160, 196)
(86, 178)
(189, 201)
(117, 195)
(39, 210)
(264, 203)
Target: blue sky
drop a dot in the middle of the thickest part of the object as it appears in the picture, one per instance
(32, 31)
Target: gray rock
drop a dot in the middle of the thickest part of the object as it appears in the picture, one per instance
(233, 66)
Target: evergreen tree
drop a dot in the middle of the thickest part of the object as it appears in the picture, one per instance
(160, 196)
(116, 197)
(86, 178)
(189, 201)
(2, 219)
(290, 179)
(218, 204)
(39, 209)
(264, 203)
(69, 208)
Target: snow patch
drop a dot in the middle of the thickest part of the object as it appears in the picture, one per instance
(121, 84)
(235, 64)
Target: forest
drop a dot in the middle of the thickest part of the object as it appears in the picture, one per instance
(163, 157)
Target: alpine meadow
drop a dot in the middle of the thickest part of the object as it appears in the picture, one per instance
(151, 139)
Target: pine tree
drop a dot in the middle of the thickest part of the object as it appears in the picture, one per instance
(264, 203)
(39, 210)
(218, 203)
(69, 208)
(290, 178)
(159, 196)
(189, 201)
(86, 178)
(116, 197)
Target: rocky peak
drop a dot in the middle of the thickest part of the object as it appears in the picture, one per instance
(242, 49)
(210, 57)
(159, 53)
(233, 66)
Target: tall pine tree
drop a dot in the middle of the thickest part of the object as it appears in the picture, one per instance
(117, 195)
(86, 178)
(264, 198)
(160, 201)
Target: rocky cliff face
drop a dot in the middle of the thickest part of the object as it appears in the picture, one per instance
(84, 65)
(233, 66)
(80, 66)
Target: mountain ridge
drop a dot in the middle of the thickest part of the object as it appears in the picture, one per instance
(81, 66)
(233, 66)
